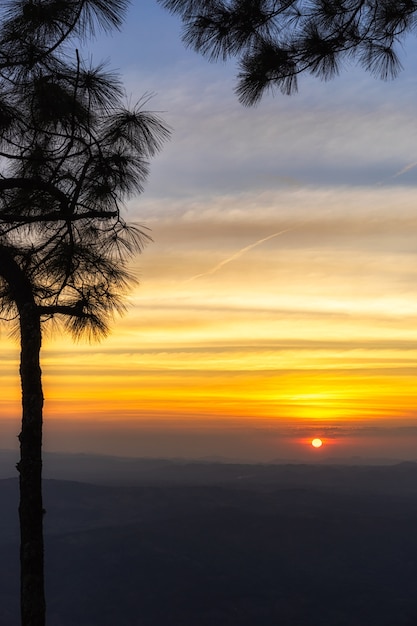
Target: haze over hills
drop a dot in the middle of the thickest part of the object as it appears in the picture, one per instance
(111, 469)
(174, 542)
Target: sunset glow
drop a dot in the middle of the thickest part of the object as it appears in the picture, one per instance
(279, 296)
(317, 443)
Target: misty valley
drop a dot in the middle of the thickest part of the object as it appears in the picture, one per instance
(133, 542)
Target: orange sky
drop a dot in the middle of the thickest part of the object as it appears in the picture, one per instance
(278, 301)
(226, 340)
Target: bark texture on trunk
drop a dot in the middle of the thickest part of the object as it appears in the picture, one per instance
(30, 472)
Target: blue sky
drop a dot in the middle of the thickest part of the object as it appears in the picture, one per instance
(278, 299)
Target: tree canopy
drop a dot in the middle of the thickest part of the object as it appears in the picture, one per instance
(71, 154)
(277, 40)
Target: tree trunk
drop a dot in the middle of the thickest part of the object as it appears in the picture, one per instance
(32, 595)
(31, 511)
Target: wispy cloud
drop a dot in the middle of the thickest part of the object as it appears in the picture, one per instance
(405, 169)
(237, 255)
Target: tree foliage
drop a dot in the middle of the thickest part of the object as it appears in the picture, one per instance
(71, 153)
(277, 40)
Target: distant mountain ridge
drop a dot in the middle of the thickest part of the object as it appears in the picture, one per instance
(107, 470)
(197, 544)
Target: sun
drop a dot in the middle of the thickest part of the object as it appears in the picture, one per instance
(317, 443)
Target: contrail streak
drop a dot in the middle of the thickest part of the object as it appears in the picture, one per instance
(405, 169)
(237, 254)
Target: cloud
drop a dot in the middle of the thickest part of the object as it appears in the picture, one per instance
(405, 169)
(237, 255)
(220, 147)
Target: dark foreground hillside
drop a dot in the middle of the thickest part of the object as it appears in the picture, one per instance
(286, 552)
